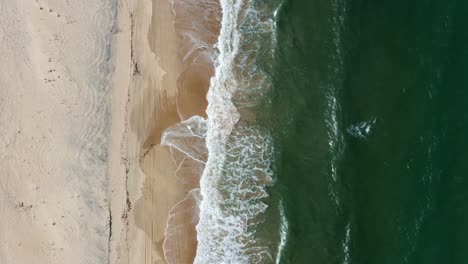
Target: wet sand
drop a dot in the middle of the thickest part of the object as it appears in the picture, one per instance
(164, 91)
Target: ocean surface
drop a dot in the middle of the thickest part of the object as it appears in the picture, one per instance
(337, 133)
(369, 109)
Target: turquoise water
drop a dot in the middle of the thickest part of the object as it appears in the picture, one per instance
(369, 112)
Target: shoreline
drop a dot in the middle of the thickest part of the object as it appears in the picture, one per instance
(165, 90)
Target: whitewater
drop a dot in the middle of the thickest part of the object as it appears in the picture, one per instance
(237, 152)
(240, 153)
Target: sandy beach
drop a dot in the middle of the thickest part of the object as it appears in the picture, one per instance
(56, 132)
(88, 87)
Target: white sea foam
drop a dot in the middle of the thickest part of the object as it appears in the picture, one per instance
(362, 129)
(237, 153)
(284, 230)
(240, 154)
(346, 243)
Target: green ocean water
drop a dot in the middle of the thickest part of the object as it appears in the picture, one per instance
(369, 109)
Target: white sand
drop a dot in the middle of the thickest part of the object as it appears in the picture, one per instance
(55, 131)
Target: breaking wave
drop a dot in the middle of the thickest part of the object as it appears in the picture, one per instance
(240, 152)
(236, 152)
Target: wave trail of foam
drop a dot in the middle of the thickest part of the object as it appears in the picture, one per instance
(240, 153)
(181, 223)
(197, 22)
(188, 137)
(284, 229)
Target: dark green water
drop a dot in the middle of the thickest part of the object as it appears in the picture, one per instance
(370, 109)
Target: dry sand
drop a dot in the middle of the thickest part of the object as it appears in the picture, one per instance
(56, 131)
(86, 89)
